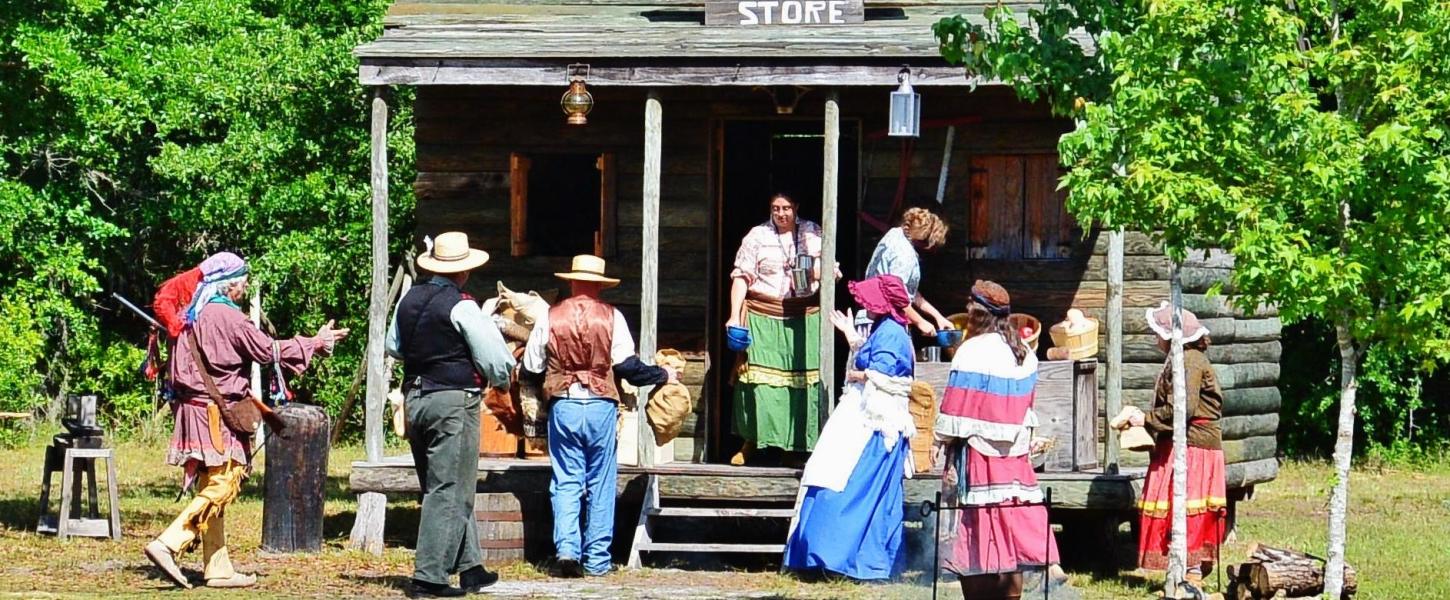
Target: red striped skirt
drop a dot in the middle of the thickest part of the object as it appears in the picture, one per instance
(1207, 507)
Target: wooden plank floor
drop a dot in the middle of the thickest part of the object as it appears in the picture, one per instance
(394, 475)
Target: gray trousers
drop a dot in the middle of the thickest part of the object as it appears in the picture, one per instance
(444, 437)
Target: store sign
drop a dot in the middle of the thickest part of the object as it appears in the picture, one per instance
(750, 13)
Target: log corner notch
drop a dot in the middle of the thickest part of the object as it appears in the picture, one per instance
(1271, 571)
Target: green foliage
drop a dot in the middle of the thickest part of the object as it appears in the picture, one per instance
(1404, 411)
(139, 136)
(1308, 138)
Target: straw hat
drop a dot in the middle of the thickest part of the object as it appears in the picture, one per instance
(1160, 320)
(587, 267)
(449, 253)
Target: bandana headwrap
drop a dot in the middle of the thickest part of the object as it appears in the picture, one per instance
(992, 297)
(216, 271)
(883, 295)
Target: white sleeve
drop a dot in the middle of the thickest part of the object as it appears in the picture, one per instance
(621, 346)
(536, 349)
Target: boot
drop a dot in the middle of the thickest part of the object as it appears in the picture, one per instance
(743, 455)
(162, 557)
(237, 580)
(475, 579)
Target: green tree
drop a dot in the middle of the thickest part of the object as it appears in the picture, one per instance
(1313, 130)
(139, 136)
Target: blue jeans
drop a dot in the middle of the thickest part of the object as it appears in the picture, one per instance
(581, 449)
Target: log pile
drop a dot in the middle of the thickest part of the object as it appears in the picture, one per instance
(1276, 572)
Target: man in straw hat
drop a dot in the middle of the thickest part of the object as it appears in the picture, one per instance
(449, 351)
(580, 348)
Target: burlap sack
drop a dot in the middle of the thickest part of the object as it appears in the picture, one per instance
(923, 414)
(670, 404)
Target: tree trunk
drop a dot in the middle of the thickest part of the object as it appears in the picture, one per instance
(1178, 542)
(1343, 449)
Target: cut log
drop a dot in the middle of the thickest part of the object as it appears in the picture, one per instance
(1291, 572)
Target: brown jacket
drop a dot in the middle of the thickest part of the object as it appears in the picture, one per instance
(1205, 402)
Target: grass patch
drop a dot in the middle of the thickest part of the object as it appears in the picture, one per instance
(1400, 521)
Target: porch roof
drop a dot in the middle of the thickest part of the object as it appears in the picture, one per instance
(654, 43)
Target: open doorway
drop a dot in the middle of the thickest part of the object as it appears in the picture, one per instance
(756, 159)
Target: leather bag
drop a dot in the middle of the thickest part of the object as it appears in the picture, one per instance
(241, 416)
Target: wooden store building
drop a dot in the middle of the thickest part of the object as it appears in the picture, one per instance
(700, 111)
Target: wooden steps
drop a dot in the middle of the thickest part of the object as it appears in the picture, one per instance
(651, 509)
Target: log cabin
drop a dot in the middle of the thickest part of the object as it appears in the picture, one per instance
(703, 109)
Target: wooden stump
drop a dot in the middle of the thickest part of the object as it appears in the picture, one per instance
(296, 479)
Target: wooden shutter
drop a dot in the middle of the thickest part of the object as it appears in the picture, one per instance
(519, 204)
(996, 207)
(1047, 231)
(604, 239)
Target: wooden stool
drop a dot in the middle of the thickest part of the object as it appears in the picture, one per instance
(75, 458)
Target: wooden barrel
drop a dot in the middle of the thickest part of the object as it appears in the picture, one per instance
(295, 480)
(514, 527)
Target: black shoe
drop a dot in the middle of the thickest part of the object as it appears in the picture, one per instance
(569, 568)
(475, 579)
(424, 589)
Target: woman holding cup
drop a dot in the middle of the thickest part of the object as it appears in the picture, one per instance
(775, 318)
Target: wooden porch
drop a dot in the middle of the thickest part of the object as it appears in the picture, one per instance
(1093, 490)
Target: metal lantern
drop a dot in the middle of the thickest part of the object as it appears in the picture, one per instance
(905, 108)
(577, 101)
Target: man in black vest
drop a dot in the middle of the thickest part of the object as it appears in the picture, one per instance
(450, 350)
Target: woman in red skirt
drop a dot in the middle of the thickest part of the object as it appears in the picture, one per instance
(1206, 496)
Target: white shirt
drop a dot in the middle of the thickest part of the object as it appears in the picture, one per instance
(536, 351)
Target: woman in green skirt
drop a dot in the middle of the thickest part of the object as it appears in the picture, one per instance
(773, 296)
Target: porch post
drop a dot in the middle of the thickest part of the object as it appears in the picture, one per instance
(1113, 401)
(830, 186)
(649, 271)
(367, 530)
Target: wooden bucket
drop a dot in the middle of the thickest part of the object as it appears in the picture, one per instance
(513, 527)
(493, 440)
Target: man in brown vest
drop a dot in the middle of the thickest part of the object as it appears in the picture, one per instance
(580, 348)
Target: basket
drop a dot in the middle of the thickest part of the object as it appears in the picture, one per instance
(1079, 344)
(1020, 320)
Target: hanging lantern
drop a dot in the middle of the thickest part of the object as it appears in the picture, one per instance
(577, 101)
(905, 108)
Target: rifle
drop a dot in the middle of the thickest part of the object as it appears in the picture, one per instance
(135, 309)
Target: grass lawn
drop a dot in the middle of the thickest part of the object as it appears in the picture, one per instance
(1399, 529)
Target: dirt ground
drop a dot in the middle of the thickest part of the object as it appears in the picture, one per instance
(1395, 511)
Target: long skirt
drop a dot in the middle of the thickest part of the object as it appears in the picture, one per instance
(778, 388)
(1002, 526)
(1207, 504)
(858, 531)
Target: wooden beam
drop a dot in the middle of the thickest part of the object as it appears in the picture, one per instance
(452, 72)
(1113, 392)
(649, 263)
(830, 189)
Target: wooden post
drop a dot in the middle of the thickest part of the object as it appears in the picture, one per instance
(1113, 403)
(830, 186)
(256, 313)
(367, 530)
(649, 271)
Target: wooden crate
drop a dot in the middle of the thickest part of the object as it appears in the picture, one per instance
(1067, 406)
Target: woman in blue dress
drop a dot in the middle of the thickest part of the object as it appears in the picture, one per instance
(849, 510)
